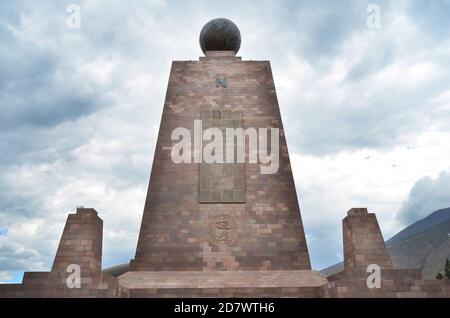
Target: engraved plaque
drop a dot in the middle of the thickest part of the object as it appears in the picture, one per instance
(223, 230)
(221, 82)
(221, 182)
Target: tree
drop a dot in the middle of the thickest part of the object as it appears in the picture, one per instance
(447, 268)
(439, 276)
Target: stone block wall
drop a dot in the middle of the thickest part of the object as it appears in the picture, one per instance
(363, 241)
(179, 231)
(81, 244)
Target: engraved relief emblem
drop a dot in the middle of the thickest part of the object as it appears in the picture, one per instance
(221, 82)
(223, 230)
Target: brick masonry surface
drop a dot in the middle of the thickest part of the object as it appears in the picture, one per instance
(81, 243)
(363, 241)
(175, 232)
(222, 182)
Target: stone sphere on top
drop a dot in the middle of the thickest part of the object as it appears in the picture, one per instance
(220, 35)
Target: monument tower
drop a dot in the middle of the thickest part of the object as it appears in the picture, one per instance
(201, 216)
(226, 220)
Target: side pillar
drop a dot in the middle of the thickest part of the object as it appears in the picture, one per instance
(368, 269)
(81, 244)
(79, 255)
(363, 241)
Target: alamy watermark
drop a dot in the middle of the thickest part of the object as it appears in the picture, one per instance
(74, 279)
(374, 19)
(208, 146)
(374, 279)
(73, 20)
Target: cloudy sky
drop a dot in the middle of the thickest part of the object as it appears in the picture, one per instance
(366, 112)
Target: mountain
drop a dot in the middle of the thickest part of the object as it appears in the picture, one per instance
(117, 270)
(435, 218)
(424, 244)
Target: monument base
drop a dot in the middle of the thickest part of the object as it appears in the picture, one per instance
(395, 283)
(54, 285)
(274, 283)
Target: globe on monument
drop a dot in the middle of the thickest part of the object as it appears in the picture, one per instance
(220, 35)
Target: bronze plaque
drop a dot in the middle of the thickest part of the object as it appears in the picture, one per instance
(221, 182)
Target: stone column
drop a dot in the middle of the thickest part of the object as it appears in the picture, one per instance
(363, 241)
(81, 244)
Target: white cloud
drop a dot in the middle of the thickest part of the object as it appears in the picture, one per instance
(427, 195)
(379, 179)
(5, 277)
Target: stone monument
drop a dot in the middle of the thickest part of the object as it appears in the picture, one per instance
(221, 228)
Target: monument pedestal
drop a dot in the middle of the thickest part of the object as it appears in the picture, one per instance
(276, 283)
